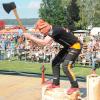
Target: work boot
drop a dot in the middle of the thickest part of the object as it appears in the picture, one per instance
(72, 90)
(52, 86)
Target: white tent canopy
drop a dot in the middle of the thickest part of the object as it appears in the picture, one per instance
(81, 31)
(95, 31)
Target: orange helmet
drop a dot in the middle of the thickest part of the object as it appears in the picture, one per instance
(43, 26)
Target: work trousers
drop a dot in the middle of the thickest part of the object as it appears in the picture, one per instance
(67, 57)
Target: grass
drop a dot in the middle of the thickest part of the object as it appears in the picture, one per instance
(34, 67)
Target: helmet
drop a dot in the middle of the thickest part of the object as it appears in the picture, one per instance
(43, 26)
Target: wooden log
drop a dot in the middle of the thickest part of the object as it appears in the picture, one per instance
(93, 87)
(58, 94)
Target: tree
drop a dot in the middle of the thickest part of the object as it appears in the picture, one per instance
(73, 15)
(60, 12)
(52, 11)
(89, 13)
(82, 24)
(96, 21)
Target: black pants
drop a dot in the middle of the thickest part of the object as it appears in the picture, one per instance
(67, 57)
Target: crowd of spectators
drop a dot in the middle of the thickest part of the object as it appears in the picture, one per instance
(16, 45)
(91, 52)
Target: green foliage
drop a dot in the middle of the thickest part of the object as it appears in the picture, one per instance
(83, 22)
(73, 10)
(74, 14)
(97, 15)
(58, 12)
(89, 13)
(52, 11)
(74, 17)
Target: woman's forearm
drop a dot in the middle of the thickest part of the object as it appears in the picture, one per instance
(40, 42)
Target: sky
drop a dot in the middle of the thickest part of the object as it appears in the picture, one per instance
(25, 9)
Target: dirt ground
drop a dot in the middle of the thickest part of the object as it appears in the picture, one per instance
(27, 88)
(19, 88)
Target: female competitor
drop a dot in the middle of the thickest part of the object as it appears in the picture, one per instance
(67, 55)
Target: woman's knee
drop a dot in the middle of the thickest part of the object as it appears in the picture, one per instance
(65, 65)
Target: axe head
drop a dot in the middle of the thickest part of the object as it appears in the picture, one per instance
(9, 6)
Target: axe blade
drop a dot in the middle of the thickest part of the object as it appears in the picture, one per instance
(9, 6)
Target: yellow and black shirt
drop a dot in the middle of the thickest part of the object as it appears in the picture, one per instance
(67, 39)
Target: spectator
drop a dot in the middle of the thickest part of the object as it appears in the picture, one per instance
(96, 62)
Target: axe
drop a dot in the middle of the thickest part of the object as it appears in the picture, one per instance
(8, 7)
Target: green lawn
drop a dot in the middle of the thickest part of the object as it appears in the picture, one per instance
(34, 67)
